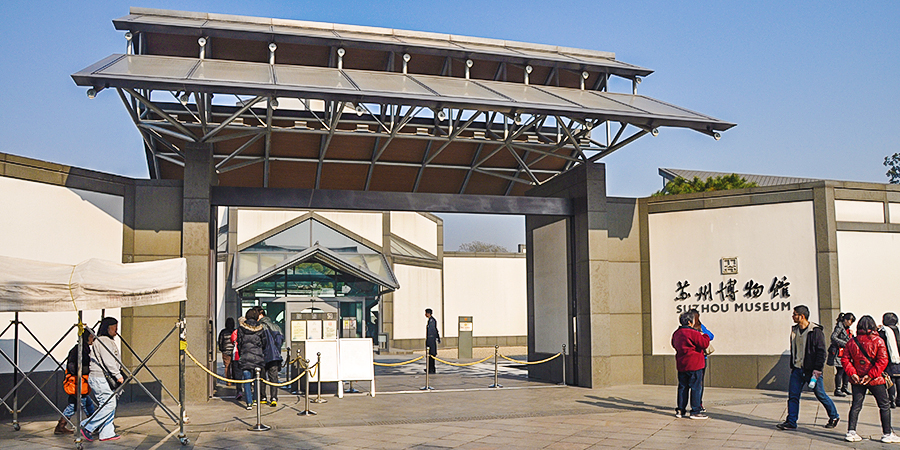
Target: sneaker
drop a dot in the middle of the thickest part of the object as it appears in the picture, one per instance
(678, 414)
(786, 426)
(699, 416)
(852, 436)
(114, 438)
(264, 402)
(839, 394)
(832, 422)
(249, 407)
(273, 403)
(890, 438)
(86, 435)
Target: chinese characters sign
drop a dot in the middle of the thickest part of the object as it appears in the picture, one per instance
(751, 296)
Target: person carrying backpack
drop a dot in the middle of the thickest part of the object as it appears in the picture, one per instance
(226, 346)
(274, 338)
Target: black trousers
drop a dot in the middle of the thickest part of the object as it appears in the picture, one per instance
(879, 391)
(431, 343)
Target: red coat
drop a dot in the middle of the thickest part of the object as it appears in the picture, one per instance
(689, 345)
(856, 363)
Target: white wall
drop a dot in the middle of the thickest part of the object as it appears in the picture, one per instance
(367, 225)
(252, 223)
(868, 264)
(492, 290)
(415, 228)
(769, 241)
(420, 288)
(55, 224)
(857, 211)
(550, 287)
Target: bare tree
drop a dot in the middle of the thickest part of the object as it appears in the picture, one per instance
(478, 246)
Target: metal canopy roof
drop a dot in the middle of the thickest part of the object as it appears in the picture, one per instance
(304, 105)
(327, 34)
(215, 76)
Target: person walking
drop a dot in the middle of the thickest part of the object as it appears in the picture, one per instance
(226, 347)
(839, 338)
(864, 360)
(807, 360)
(891, 337)
(432, 339)
(72, 380)
(251, 345)
(104, 360)
(689, 344)
(274, 339)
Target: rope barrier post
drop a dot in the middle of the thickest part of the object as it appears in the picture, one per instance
(307, 412)
(563, 383)
(79, 411)
(15, 408)
(319, 398)
(496, 373)
(259, 426)
(182, 347)
(296, 386)
(427, 386)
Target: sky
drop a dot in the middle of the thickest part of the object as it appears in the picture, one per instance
(812, 86)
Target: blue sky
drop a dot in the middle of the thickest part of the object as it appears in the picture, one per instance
(812, 85)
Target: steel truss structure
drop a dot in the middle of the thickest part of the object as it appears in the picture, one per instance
(337, 123)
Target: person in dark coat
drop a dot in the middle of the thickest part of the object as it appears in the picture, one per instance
(839, 338)
(432, 339)
(226, 346)
(87, 405)
(274, 339)
(251, 345)
(807, 345)
(891, 337)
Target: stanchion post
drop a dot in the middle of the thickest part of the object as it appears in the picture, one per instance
(319, 398)
(182, 346)
(496, 372)
(563, 382)
(79, 411)
(15, 408)
(307, 412)
(259, 426)
(427, 386)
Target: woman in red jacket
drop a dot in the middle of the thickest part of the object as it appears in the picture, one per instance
(865, 359)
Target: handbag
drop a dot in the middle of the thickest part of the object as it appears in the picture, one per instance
(709, 350)
(888, 382)
(832, 354)
(69, 384)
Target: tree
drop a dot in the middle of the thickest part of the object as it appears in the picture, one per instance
(681, 185)
(893, 164)
(478, 246)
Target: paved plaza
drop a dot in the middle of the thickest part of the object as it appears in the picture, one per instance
(461, 412)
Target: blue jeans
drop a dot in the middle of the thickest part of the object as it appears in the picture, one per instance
(87, 405)
(794, 390)
(248, 387)
(102, 420)
(690, 386)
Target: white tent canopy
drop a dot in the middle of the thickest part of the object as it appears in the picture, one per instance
(36, 286)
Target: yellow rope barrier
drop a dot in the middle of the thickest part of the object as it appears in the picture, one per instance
(531, 362)
(397, 364)
(463, 364)
(228, 380)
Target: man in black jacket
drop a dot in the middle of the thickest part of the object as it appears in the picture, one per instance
(807, 360)
(432, 338)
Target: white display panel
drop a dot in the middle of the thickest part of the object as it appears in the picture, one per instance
(868, 264)
(772, 243)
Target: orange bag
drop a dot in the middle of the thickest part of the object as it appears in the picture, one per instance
(69, 384)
